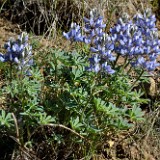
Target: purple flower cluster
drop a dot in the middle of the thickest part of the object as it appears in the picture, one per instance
(136, 39)
(74, 34)
(18, 52)
(100, 43)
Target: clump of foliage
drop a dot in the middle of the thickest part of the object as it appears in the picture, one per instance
(82, 98)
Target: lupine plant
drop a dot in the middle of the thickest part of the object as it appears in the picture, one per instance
(22, 89)
(136, 40)
(67, 105)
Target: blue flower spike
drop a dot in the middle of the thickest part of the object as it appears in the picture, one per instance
(18, 52)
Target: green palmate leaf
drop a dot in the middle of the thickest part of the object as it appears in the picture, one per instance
(6, 119)
(75, 123)
(136, 114)
(122, 123)
(79, 65)
(100, 104)
(11, 88)
(43, 119)
(77, 71)
(53, 65)
(109, 109)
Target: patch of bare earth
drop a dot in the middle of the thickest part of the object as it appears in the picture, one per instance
(7, 29)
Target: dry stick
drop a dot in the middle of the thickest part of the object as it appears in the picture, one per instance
(62, 126)
(16, 125)
(137, 79)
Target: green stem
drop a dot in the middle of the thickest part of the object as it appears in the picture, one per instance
(10, 83)
(126, 63)
(115, 62)
(55, 61)
(130, 69)
(137, 79)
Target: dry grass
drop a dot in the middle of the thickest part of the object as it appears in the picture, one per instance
(47, 17)
(147, 142)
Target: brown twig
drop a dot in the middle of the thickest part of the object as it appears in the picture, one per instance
(61, 126)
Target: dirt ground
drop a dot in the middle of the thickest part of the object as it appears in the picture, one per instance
(7, 30)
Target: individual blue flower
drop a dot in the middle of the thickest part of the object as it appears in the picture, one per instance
(2, 57)
(107, 68)
(95, 63)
